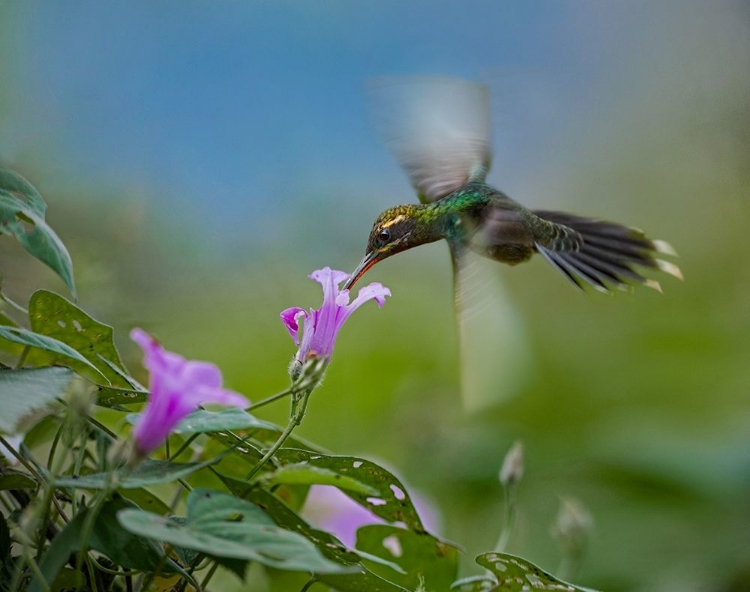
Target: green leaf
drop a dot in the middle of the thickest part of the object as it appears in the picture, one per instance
(391, 501)
(13, 183)
(150, 472)
(515, 574)
(423, 557)
(122, 547)
(221, 525)
(18, 335)
(54, 316)
(113, 397)
(200, 422)
(328, 545)
(24, 221)
(304, 474)
(23, 391)
(12, 479)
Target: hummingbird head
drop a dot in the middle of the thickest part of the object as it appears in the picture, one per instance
(395, 230)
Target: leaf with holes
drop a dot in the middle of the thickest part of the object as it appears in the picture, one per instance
(54, 316)
(304, 474)
(220, 525)
(329, 546)
(66, 354)
(391, 503)
(421, 556)
(515, 574)
(25, 221)
(25, 390)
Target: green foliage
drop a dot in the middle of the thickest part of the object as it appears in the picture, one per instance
(25, 390)
(89, 512)
(49, 345)
(22, 212)
(221, 525)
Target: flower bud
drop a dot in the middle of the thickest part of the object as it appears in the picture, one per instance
(512, 470)
(572, 527)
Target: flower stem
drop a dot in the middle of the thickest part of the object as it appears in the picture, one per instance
(299, 406)
(271, 399)
(509, 519)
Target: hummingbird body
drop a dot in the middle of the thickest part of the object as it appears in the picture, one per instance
(484, 220)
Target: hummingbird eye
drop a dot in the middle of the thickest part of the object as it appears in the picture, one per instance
(384, 235)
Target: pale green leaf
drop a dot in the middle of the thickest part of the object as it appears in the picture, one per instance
(25, 390)
(147, 473)
(515, 574)
(31, 230)
(221, 525)
(48, 344)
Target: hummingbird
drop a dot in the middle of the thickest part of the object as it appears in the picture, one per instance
(439, 130)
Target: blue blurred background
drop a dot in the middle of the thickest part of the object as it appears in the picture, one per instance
(200, 159)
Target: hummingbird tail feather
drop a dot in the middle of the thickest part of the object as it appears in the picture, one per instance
(606, 254)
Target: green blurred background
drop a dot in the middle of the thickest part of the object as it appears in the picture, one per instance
(200, 161)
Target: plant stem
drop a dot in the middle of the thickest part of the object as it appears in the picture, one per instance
(184, 446)
(509, 519)
(299, 406)
(22, 357)
(35, 569)
(209, 575)
(271, 399)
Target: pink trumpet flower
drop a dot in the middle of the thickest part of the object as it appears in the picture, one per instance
(177, 387)
(321, 326)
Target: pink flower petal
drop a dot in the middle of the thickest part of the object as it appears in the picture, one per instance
(291, 318)
(177, 388)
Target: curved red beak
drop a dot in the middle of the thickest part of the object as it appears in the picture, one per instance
(367, 262)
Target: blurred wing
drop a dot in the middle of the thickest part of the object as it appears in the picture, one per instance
(438, 129)
(494, 350)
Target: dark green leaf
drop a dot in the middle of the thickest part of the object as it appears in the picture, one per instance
(282, 516)
(221, 525)
(122, 547)
(515, 574)
(329, 545)
(424, 558)
(146, 500)
(391, 503)
(304, 474)
(23, 391)
(48, 344)
(12, 479)
(150, 472)
(111, 397)
(20, 219)
(13, 183)
(52, 315)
